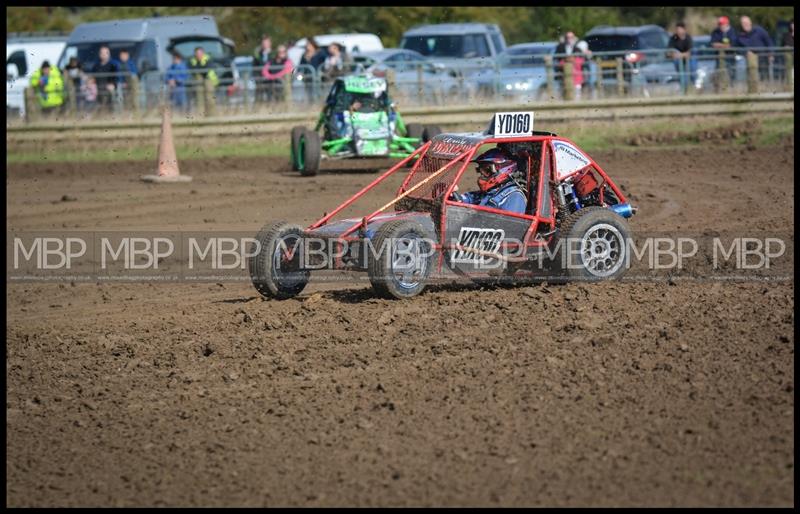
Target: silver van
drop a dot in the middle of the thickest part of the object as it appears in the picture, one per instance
(445, 41)
(148, 40)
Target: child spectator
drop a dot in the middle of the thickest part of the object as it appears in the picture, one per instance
(88, 92)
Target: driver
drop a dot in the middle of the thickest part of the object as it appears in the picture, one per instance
(497, 186)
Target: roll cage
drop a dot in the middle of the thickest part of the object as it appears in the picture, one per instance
(447, 157)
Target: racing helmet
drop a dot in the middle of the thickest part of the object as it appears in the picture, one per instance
(495, 167)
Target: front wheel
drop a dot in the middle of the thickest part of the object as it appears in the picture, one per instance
(297, 134)
(312, 153)
(276, 269)
(402, 261)
(592, 245)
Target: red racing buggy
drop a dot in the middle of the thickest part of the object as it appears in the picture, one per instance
(574, 225)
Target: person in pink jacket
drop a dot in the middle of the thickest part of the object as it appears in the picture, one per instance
(274, 72)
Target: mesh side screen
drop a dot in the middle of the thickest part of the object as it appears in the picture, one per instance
(436, 187)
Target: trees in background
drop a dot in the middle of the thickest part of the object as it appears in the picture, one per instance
(519, 24)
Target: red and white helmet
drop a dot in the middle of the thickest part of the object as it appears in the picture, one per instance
(495, 167)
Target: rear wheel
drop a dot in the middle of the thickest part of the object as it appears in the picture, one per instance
(276, 270)
(404, 259)
(592, 245)
(415, 130)
(431, 131)
(311, 150)
(297, 133)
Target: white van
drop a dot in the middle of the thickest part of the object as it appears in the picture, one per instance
(25, 53)
(351, 42)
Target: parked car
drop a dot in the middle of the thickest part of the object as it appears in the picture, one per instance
(520, 71)
(708, 61)
(352, 43)
(437, 79)
(645, 53)
(455, 41)
(25, 53)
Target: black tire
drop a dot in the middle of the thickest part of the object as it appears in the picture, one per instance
(577, 258)
(312, 153)
(297, 133)
(396, 235)
(271, 276)
(415, 130)
(430, 131)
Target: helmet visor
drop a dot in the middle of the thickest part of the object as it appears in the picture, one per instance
(486, 169)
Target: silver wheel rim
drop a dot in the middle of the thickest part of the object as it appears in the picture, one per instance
(282, 269)
(409, 265)
(602, 250)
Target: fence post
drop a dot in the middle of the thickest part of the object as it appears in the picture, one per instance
(33, 111)
(133, 91)
(419, 81)
(72, 96)
(620, 77)
(724, 78)
(208, 93)
(752, 73)
(287, 89)
(788, 69)
(569, 85)
(548, 65)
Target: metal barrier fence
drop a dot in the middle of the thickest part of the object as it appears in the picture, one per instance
(533, 78)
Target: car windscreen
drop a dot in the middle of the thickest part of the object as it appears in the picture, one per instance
(212, 48)
(88, 54)
(369, 102)
(612, 43)
(436, 46)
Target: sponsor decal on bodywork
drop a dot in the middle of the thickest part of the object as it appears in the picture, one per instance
(485, 240)
(568, 159)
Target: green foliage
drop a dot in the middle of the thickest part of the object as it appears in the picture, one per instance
(245, 25)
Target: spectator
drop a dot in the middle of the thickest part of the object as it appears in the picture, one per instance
(88, 92)
(312, 59)
(313, 56)
(72, 71)
(576, 52)
(127, 69)
(275, 70)
(263, 52)
(200, 65)
(685, 62)
(261, 56)
(334, 64)
(176, 78)
(788, 38)
(756, 38)
(723, 38)
(48, 87)
(106, 80)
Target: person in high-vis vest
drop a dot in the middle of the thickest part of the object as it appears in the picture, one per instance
(201, 67)
(48, 86)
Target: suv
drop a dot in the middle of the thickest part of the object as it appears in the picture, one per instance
(455, 40)
(645, 52)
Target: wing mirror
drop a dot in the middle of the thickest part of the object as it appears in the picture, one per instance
(12, 72)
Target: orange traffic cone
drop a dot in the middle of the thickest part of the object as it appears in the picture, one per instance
(167, 159)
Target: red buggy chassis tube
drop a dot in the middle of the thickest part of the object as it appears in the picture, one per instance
(369, 186)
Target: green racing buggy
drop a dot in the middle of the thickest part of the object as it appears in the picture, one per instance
(358, 120)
